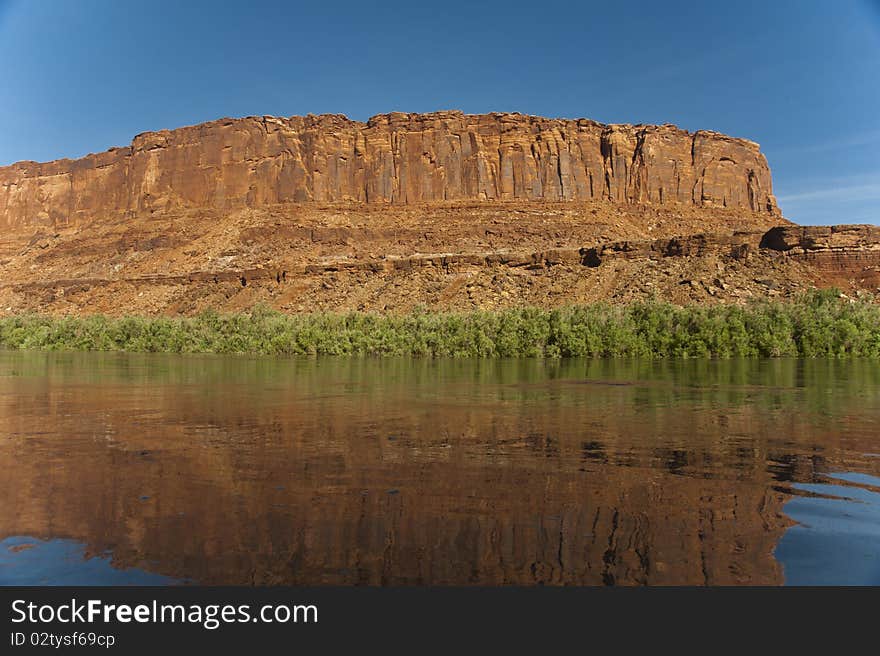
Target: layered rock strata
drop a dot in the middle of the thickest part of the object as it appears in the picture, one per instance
(837, 253)
(725, 267)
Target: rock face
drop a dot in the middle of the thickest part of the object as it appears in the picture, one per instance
(839, 254)
(392, 158)
(800, 240)
(738, 245)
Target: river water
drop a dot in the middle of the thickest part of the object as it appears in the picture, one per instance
(165, 469)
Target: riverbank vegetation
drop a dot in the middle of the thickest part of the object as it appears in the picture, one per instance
(820, 323)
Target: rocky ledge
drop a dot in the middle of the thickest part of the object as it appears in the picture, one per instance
(721, 267)
(837, 253)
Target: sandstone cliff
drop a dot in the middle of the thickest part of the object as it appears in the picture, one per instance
(445, 210)
(393, 158)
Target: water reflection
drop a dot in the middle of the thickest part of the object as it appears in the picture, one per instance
(837, 538)
(359, 471)
(30, 561)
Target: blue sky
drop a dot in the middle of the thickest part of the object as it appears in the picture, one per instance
(800, 77)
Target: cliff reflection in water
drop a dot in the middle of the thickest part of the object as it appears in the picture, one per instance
(355, 471)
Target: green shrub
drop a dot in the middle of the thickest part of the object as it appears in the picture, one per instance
(820, 323)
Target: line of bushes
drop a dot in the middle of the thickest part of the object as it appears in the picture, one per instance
(817, 324)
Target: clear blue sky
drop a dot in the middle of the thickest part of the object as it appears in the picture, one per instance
(798, 76)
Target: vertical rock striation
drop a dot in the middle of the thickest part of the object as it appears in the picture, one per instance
(392, 158)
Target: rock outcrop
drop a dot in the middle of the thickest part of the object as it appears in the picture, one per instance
(737, 245)
(838, 254)
(801, 240)
(392, 158)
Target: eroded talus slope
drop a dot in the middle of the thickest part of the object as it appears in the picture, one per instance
(392, 158)
(300, 257)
